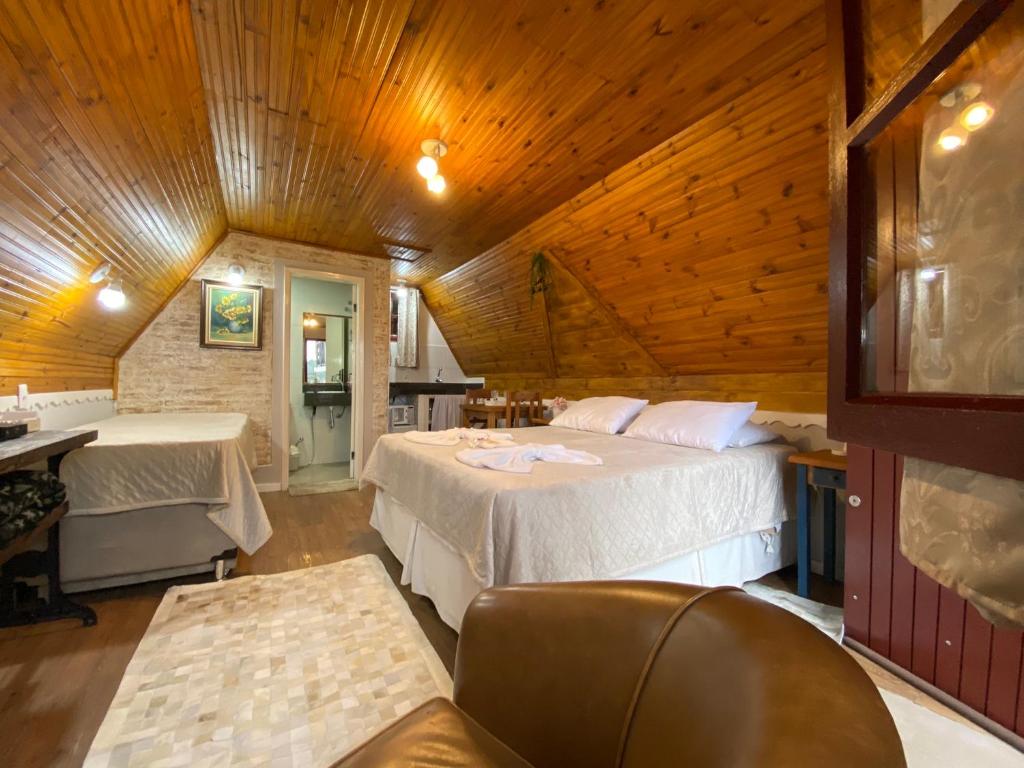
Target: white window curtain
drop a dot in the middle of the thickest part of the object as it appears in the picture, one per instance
(408, 311)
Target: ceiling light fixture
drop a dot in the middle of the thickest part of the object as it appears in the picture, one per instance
(976, 115)
(100, 273)
(951, 140)
(428, 166)
(436, 184)
(236, 273)
(112, 296)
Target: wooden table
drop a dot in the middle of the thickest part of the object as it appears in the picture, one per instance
(483, 411)
(17, 560)
(827, 471)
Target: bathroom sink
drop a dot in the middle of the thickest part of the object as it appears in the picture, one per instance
(317, 395)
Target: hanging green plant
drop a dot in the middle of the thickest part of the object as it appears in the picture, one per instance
(540, 275)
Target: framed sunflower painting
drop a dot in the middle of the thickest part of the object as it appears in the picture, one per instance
(232, 316)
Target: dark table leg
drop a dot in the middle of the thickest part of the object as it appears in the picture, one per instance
(57, 605)
(803, 534)
(830, 532)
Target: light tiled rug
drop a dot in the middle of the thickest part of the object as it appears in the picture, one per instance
(293, 669)
(827, 618)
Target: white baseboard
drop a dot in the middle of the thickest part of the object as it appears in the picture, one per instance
(268, 487)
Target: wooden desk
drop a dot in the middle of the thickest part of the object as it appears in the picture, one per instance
(17, 560)
(827, 471)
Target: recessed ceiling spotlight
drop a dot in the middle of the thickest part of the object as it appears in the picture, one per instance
(112, 296)
(236, 273)
(100, 273)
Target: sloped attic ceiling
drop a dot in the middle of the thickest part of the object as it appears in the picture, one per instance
(139, 132)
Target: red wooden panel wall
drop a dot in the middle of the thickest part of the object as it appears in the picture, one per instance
(900, 613)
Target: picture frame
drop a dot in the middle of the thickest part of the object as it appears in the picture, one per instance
(231, 316)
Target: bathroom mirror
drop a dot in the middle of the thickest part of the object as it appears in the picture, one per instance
(327, 348)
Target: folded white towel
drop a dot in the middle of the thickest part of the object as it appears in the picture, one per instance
(519, 459)
(455, 436)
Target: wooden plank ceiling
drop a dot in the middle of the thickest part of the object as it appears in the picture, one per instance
(708, 253)
(318, 108)
(139, 131)
(105, 155)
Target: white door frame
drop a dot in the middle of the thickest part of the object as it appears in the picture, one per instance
(362, 379)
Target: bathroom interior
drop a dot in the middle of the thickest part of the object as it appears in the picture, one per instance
(322, 364)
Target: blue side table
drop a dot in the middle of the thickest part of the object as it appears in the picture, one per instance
(827, 471)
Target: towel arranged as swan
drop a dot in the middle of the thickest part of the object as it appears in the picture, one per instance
(519, 459)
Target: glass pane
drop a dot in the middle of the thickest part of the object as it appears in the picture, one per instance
(943, 245)
(892, 31)
(316, 361)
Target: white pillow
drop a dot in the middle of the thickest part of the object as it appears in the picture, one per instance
(693, 423)
(606, 415)
(752, 434)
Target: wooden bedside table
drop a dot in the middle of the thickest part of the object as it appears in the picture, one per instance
(827, 471)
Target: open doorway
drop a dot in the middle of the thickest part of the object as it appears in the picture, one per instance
(321, 374)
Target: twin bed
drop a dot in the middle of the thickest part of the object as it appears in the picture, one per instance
(651, 511)
(157, 496)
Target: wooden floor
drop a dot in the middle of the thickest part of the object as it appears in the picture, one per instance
(57, 680)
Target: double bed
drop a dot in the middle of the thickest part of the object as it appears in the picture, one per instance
(159, 495)
(650, 511)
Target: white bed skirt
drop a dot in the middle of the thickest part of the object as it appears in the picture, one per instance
(435, 570)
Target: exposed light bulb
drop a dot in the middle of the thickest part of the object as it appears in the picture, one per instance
(928, 274)
(976, 115)
(427, 167)
(310, 322)
(236, 273)
(436, 184)
(112, 296)
(950, 140)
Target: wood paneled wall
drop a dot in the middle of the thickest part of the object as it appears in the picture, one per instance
(902, 614)
(105, 155)
(706, 256)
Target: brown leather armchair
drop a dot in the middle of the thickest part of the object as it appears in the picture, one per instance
(637, 674)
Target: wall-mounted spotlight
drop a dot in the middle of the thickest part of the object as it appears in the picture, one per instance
(100, 273)
(236, 274)
(112, 296)
(976, 115)
(428, 166)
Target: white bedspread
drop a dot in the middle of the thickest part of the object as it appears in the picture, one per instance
(647, 504)
(164, 459)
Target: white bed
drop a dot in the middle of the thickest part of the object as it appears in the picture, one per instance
(652, 511)
(159, 495)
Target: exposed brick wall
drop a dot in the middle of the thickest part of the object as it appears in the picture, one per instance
(167, 370)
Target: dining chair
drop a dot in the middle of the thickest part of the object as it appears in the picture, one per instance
(523, 407)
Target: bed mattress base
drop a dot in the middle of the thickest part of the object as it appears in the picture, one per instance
(433, 569)
(100, 551)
